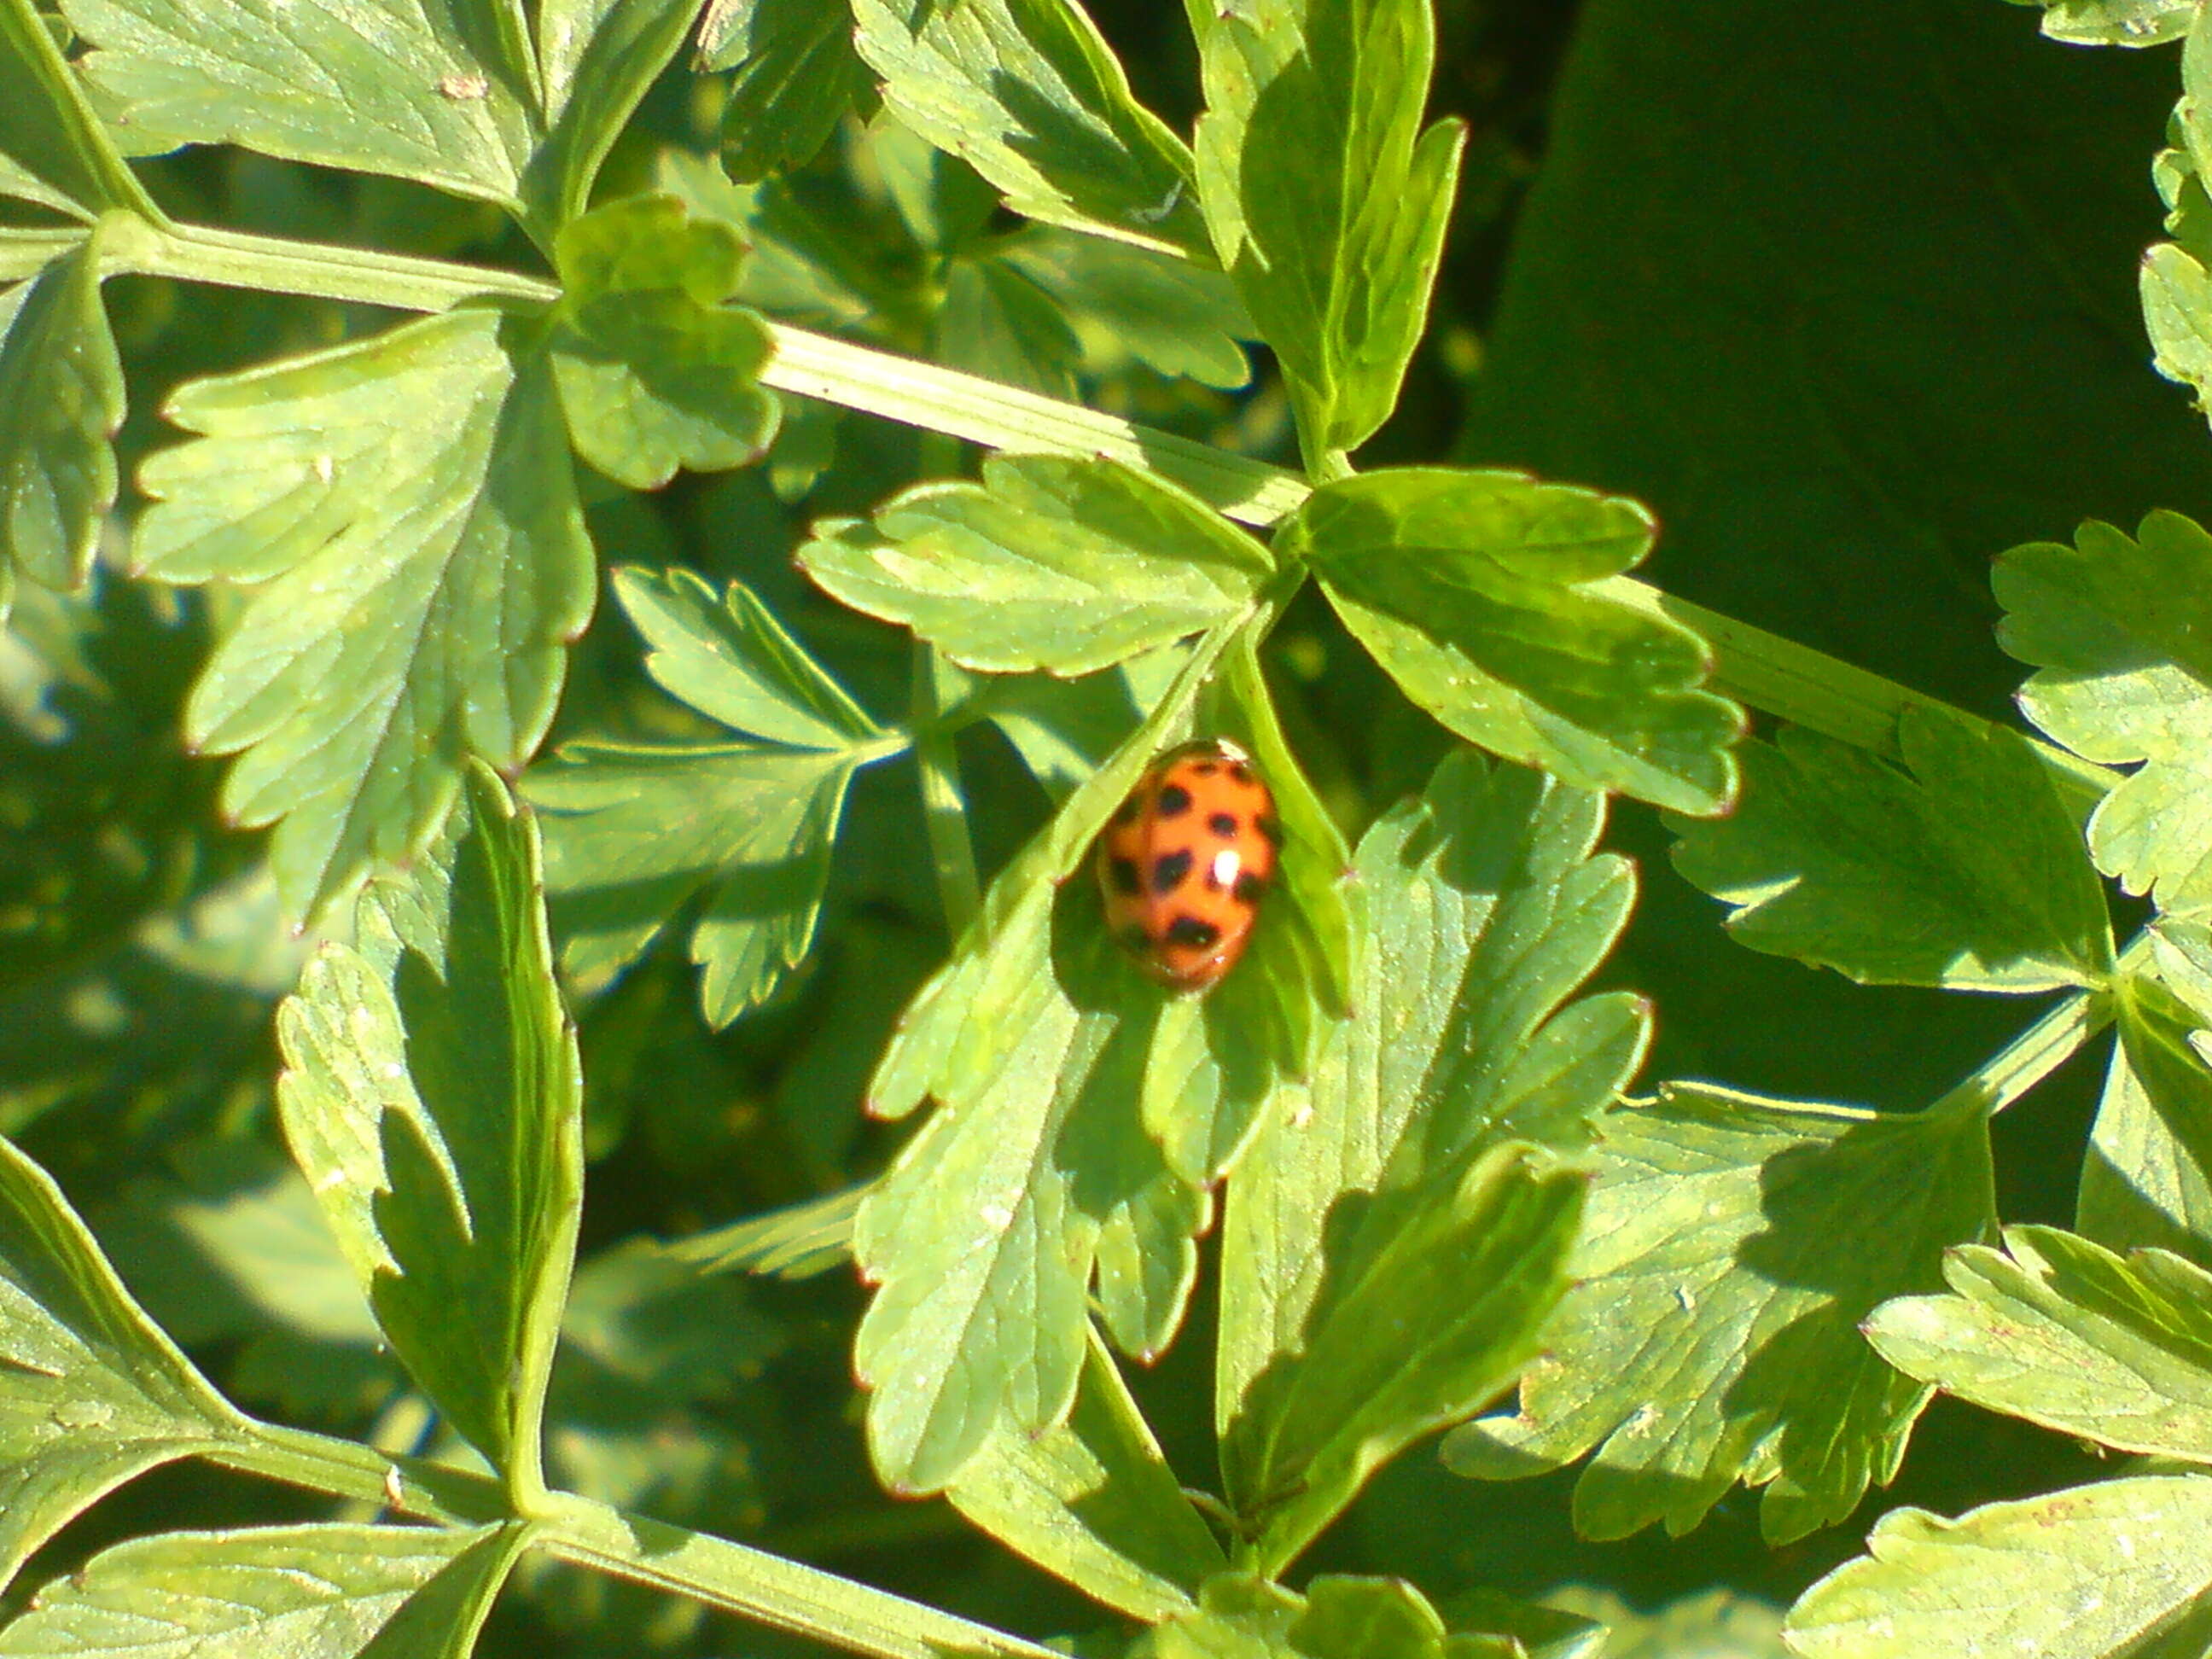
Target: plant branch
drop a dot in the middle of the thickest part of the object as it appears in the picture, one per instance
(753, 1584)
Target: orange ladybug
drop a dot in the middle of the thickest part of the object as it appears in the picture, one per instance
(1186, 861)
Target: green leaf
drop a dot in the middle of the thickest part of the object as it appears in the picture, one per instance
(91, 1392)
(1732, 1247)
(796, 1242)
(309, 1592)
(1093, 1502)
(432, 1098)
(1962, 869)
(1238, 1617)
(797, 75)
(1051, 562)
(2147, 1179)
(2114, 22)
(61, 400)
(736, 664)
(1034, 1041)
(403, 512)
(1337, 1618)
(1128, 304)
(433, 90)
(1484, 911)
(55, 149)
(1325, 199)
(1478, 594)
(635, 832)
(2065, 1334)
(655, 372)
(2115, 1568)
(1028, 94)
(1462, 1274)
(2119, 632)
(999, 322)
(471, 98)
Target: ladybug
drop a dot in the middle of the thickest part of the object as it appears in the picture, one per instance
(1186, 861)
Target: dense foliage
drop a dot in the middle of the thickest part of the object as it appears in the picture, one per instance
(581, 578)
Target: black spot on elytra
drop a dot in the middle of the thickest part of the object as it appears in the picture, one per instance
(1125, 813)
(1174, 802)
(1241, 772)
(1270, 828)
(1189, 930)
(1250, 887)
(1223, 824)
(1121, 873)
(1169, 871)
(1206, 768)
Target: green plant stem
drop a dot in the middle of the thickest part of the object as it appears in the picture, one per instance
(2049, 1044)
(751, 1583)
(1770, 673)
(944, 810)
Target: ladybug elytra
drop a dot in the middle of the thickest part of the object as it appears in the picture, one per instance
(1186, 861)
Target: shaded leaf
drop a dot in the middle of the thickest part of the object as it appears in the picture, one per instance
(635, 832)
(1052, 563)
(1127, 303)
(1477, 592)
(1963, 869)
(310, 1592)
(2147, 1178)
(999, 322)
(61, 400)
(91, 1392)
(1093, 1502)
(796, 74)
(2115, 1568)
(1325, 199)
(2063, 1333)
(796, 1242)
(735, 663)
(596, 59)
(432, 1097)
(2118, 629)
(57, 151)
(1732, 1245)
(1028, 94)
(655, 371)
(1484, 910)
(404, 511)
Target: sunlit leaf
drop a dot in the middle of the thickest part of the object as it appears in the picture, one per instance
(1963, 869)
(2063, 1333)
(1475, 591)
(2114, 1569)
(404, 513)
(2114, 22)
(2147, 1179)
(432, 1098)
(1732, 1246)
(796, 74)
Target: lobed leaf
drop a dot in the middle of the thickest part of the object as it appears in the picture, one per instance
(1051, 562)
(797, 75)
(1484, 910)
(1176, 317)
(403, 510)
(2114, 22)
(635, 832)
(2110, 1569)
(655, 372)
(1339, 1617)
(91, 1392)
(1094, 1502)
(1325, 199)
(307, 1592)
(1962, 869)
(1732, 1247)
(2146, 1178)
(2117, 629)
(432, 1097)
(1474, 592)
(2063, 1333)
(1028, 94)
(61, 401)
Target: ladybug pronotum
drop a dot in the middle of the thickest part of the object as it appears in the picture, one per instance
(1184, 863)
